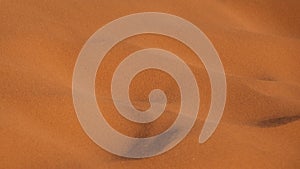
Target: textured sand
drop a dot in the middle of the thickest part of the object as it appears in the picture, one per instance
(258, 43)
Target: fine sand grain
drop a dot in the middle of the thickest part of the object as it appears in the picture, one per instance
(258, 43)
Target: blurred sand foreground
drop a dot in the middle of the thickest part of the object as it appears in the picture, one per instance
(258, 43)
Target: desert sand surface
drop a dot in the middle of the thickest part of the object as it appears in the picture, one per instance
(258, 43)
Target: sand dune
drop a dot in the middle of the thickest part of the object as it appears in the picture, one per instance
(258, 43)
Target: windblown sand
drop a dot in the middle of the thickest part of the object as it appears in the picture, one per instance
(258, 43)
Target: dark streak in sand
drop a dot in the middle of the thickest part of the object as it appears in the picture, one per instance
(274, 122)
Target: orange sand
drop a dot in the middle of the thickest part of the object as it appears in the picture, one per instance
(258, 43)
